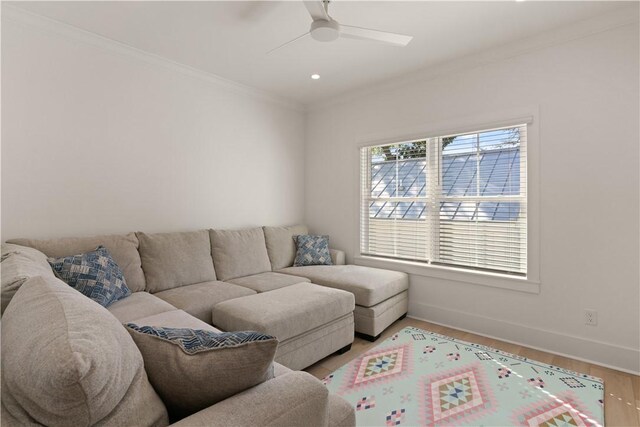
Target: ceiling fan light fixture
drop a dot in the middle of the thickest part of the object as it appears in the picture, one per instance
(325, 31)
(315, 76)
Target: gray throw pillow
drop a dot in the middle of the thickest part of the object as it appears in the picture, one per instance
(95, 274)
(312, 250)
(194, 369)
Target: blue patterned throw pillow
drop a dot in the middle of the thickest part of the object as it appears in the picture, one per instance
(195, 340)
(312, 250)
(94, 274)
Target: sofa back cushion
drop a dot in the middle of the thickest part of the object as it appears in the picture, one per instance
(171, 260)
(67, 361)
(122, 247)
(239, 253)
(18, 264)
(281, 246)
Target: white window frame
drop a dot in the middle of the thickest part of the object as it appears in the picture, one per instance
(527, 115)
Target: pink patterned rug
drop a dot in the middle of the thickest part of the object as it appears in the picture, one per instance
(418, 377)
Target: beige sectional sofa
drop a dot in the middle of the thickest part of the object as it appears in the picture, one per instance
(240, 280)
(68, 361)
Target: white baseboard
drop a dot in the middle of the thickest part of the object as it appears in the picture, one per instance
(612, 356)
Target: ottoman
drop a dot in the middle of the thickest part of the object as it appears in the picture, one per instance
(310, 321)
(381, 295)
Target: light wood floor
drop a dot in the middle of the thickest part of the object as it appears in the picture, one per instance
(622, 391)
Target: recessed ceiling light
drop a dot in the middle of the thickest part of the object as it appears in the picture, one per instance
(315, 76)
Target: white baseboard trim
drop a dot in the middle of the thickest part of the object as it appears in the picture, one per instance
(604, 354)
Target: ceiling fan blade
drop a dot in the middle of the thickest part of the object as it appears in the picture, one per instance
(351, 32)
(287, 43)
(316, 10)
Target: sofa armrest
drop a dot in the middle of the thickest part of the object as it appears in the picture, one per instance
(292, 399)
(338, 257)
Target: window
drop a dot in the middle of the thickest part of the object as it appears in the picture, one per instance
(457, 200)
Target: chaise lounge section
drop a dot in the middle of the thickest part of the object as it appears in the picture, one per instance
(381, 296)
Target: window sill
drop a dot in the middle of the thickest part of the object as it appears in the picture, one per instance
(494, 280)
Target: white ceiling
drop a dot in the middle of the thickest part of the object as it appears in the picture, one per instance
(231, 38)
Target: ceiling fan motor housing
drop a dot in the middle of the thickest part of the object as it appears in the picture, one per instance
(325, 31)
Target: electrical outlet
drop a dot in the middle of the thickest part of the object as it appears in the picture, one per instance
(590, 317)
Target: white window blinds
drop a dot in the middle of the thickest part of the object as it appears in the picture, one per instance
(457, 200)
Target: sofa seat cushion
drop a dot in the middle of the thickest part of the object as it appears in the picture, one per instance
(170, 260)
(239, 253)
(292, 399)
(285, 312)
(369, 285)
(67, 361)
(137, 305)
(123, 248)
(268, 281)
(198, 299)
(281, 245)
(175, 319)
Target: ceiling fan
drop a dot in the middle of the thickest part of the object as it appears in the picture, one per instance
(325, 29)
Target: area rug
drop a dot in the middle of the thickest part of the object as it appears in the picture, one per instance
(420, 378)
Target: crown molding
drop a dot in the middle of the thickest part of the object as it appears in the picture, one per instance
(617, 18)
(52, 26)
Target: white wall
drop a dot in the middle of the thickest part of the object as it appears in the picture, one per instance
(97, 138)
(587, 93)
